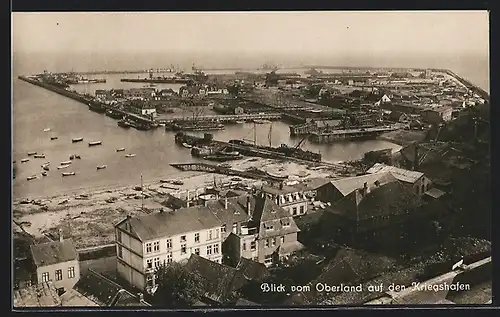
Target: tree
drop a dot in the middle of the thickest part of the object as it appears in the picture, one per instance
(177, 287)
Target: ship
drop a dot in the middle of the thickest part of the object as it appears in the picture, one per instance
(31, 153)
(96, 107)
(68, 174)
(100, 167)
(94, 143)
(31, 177)
(74, 140)
(219, 157)
(53, 137)
(39, 156)
(120, 149)
(114, 114)
(158, 80)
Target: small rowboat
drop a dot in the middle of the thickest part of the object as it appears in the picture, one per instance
(31, 153)
(100, 167)
(66, 163)
(120, 149)
(63, 166)
(95, 143)
(46, 168)
(46, 163)
(53, 138)
(39, 156)
(31, 177)
(130, 155)
(68, 174)
(74, 140)
(25, 160)
(46, 130)
(44, 173)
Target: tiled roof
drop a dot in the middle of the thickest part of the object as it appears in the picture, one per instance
(236, 209)
(220, 280)
(53, 252)
(349, 184)
(391, 199)
(164, 224)
(38, 295)
(399, 173)
(435, 193)
(105, 292)
(252, 270)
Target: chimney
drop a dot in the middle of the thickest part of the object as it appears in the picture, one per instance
(205, 202)
(225, 203)
(141, 297)
(365, 188)
(61, 238)
(248, 205)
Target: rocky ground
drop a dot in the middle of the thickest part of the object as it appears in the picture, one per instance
(88, 216)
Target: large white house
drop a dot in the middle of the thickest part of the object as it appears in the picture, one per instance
(143, 243)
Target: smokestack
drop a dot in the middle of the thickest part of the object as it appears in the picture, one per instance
(225, 203)
(61, 238)
(365, 188)
(248, 205)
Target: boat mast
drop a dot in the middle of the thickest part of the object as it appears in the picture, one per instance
(142, 195)
(270, 134)
(254, 134)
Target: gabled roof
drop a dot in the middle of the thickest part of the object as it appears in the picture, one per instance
(220, 280)
(105, 292)
(349, 184)
(53, 252)
(236, 209)
(391, 199)
(165, 224)
(37, 295)
(252, 270)
(399, 173)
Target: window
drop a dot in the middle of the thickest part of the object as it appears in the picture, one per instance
(156, 262)
(216, 248)
(58, 275)
(269, 227)
(149, 263)
(149, 280)
(120, 252)
(282, 239)
(294, 212)
(268, 259)
(156, 246)
(148, 247)
(183, 249)
(267, 243)
(45, 277)
(169, 257)
(197, 238)
(301, 209)
(209, 249)
(244, 246)
(223, 228)
(273, 242)
(285, 223)
(209, 235)
(235, 228)
(169, 244)
(71, 272)
(253, 245)
(183, 238)
(119, 236)
(197, 251)
(217, 233)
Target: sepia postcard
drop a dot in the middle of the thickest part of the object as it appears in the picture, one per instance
(250, 159)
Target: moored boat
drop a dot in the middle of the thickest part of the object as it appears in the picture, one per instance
(53, 138)
(65, 162)
(120, 149)
(68, 173)
(177, 182)
(100, 167)
(31, 153)
(72, 157)
(63, 166)
(39, 156)
(44, 174)
(74, 140)
(25, 160)
(124, 123)
(239, 122)
(130, 155)
(78, 157)
(46, 168)
(46, 130)
(31, 177)
(188, 146)
(95, 143)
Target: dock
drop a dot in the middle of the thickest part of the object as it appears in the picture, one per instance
(225, 118)
(211, 168)
(350, 134)
(89, 101)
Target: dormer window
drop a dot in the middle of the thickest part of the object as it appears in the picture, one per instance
(285, 223)
(268, 227)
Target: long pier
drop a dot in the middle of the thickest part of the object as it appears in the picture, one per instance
(92, 103)
(211, 168)
(225, 118)
(349, 134)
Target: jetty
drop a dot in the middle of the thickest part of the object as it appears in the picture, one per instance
(351, 134)
(225, 118)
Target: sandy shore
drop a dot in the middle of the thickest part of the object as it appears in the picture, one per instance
(88, 215)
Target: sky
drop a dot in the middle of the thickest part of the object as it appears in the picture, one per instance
(305, 33)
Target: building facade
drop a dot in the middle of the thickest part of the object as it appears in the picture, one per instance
(56, 262)
(145, 243)
(437, 114)
(289, 198)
